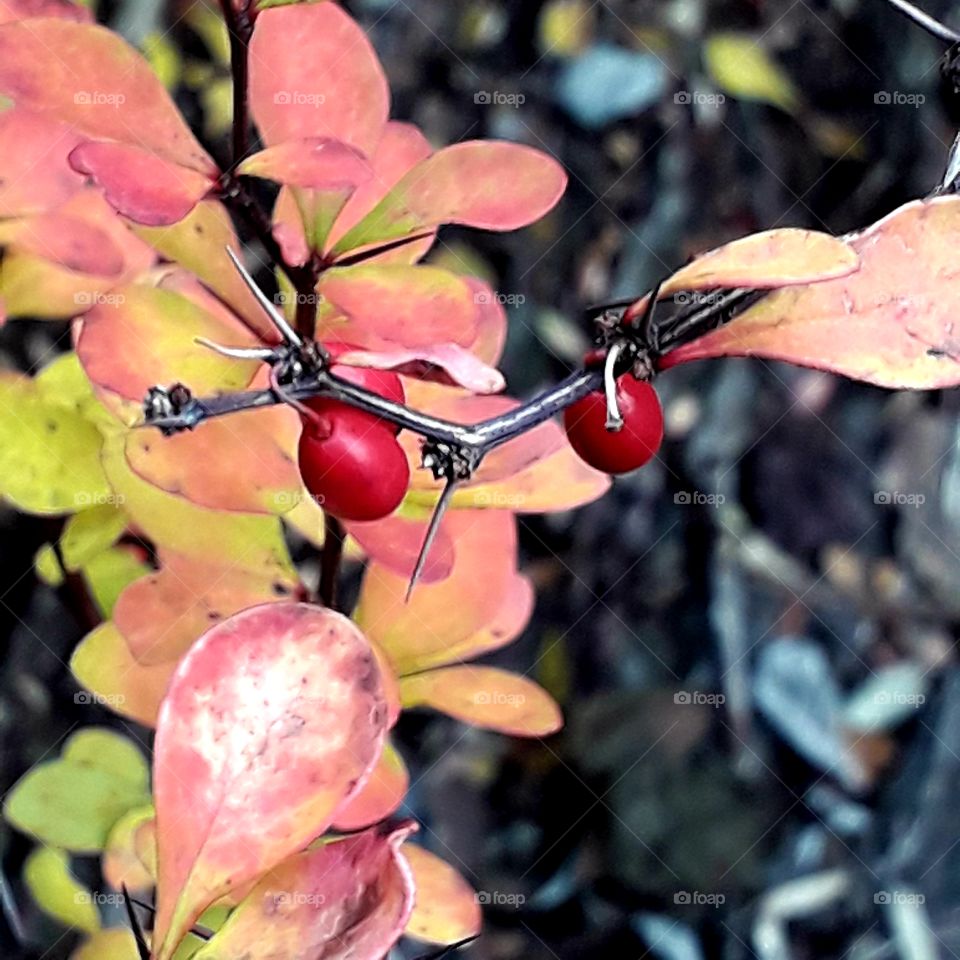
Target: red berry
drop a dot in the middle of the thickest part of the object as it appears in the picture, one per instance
(627, 449)
(352, 463)
(384, 382)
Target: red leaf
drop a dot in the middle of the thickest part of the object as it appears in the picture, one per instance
(488, 184)
(346, 899)
(272, 721)
(33, 157)
(88, 77)
(314, 73)
(442, 363)
(141, 185)
(891, 323)
(68, 241)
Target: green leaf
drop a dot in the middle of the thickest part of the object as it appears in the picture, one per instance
(89, 533)
(743, 69)
(109, 573)
(73, 802)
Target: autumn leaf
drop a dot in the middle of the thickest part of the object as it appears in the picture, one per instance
(281, 687)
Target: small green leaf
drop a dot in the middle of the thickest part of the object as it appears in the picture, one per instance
(89, 533)
(57, 892)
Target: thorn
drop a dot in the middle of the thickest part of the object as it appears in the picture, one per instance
(204, 933)
(238, 353)
(354, 258)
(614, 420)
(446, 951)
(142, 949)
(932, 26)
(431, 535)
(279, 320)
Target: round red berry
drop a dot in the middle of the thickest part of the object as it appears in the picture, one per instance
(352, 463)
(617, 451)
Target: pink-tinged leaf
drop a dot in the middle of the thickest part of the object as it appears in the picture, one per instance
(485, 697)
(31, 285)
(345, 899)
(892, 323)
(33, 157)
(395, 543)
(441, 363)
(103, 665)
(380, 796)
(491, 335)
(774, 258)
(272, 721)
(141, 185)
(11, 10)
(314, 73)
(163, 614)
(66, 241)
(447, 908)
(382, 306)
(88, 77)
(400, 149)
(315, 162)
(122, 864)
(202, 465)
(488, 184)
(450, 613)
(142, 336)
(199, 244)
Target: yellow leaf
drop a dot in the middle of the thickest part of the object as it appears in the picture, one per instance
(110, 572)
(57, 892)
(566, 27)
(89, 533)
(743, 69)
(47, 566)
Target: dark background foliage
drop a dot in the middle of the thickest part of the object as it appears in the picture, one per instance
(715, 792)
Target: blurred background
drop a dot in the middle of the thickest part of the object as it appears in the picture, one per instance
(753, 638)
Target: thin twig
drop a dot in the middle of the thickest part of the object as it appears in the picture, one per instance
(330, 560)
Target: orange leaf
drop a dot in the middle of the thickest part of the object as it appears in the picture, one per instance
(485, 697)
(395, 542)
(447, 908)
(346, 899)
(891, 323)
(444, 615)
(272, 721)
(380, 796)
(102, 663)
(245, 462)
(774, 258)
(163, 614)
(22, 9)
